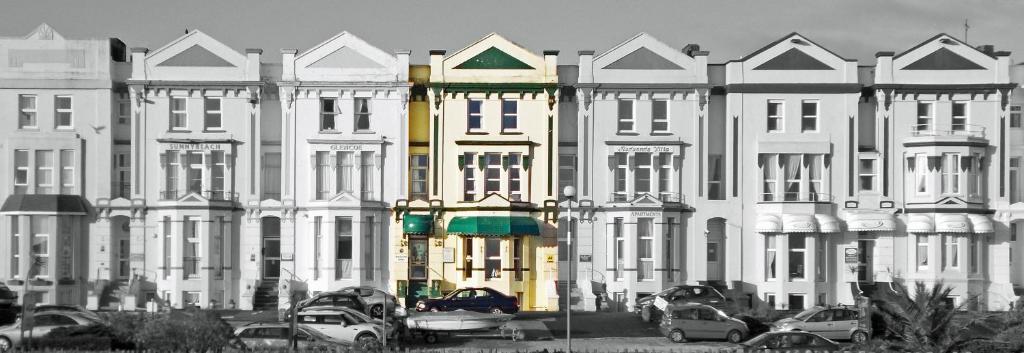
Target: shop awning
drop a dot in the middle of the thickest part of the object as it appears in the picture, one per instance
(45, 204)
(418, 224)
(799, 223)
(952, 223)
(981, 223)
(493, 226)
(919, 223)
(871, 222)
(828, 223)
(768, 224)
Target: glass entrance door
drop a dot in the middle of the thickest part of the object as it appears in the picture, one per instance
(418, 272)
(271, 229)
(865, 259)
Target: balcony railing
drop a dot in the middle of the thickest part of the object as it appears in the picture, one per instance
(966, 130)
(666, 197)
(342, 268)
(121, 189)
(367, 195)
(671, 197)
(170, 194)
(267, 195)
(191, 267)
(220, 195)
(796, 197)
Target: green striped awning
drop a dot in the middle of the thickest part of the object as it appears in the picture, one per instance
(493, 226)
(418, 224)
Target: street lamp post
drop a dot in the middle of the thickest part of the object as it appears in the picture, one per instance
(570, 193)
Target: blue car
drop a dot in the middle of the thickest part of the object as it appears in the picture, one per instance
(480, 299)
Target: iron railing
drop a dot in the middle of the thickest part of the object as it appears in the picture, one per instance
(968, 130)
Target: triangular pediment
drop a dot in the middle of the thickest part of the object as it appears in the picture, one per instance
(643, 59)
(952, 201)
(493, 59)
(494, 200)
(943, 59)
(345, 57)
(44, 32)
(344, 197)
(646, 200)
(793, 59)
(196, 56)
(193, 197)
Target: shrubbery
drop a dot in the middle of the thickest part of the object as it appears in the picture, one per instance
(178, 331)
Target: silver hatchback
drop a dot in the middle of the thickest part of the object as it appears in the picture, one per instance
(840, 323)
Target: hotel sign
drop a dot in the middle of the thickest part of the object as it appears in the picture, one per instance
(196, 146)
(642, 149)
(336, 147)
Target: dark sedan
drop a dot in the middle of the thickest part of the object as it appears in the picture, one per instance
(789, 341)
(481, 299)
(679, 295)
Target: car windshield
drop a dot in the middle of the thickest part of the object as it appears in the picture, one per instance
(806, 314)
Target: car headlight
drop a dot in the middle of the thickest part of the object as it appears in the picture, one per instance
(421, 305)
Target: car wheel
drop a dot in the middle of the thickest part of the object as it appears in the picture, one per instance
(434, 309)
(377, 311)
(677, 336)
(645, 314)
(734, 336)
(496, 311)
(5, 344)
(859, 337)
(430, 338)
(365, 339)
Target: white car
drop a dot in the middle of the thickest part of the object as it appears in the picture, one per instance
(341, 325)
(839, 323)
(43, 323)
(276, 336)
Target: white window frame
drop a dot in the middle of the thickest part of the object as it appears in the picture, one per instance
(643, 164)
(178, 118)
(317, 244)
(921, 177)
(322, 175)
(357, 115)
(199, 167)
(792, 250)
(123, 172)
(670, 233)
(15, 247)
(815, 183)
(469, 190)
(25, 111)
(656, 120)
(619, 253)
(168, 239)
(779, 118)
(631, 119)
(44, 272)
(50, 184)
(22, 171)
(951, 251)
(1016, 112)
(367, 178)
(491, 256)
(925, 123)
(330, 116)
(770, 177)
(218, 161)
(805, 117)
(922, 246)
(210, 113)
(620, 176)
(471, 116)
(369, 230)
(193, 240)
(57, 111)
(339, 272)
(172, 172)
(493, 162)
(963, 120)
(124, 109)
(1014, 176)
(344, 180)
(515, 176)
(771, 257)
(645, 249)
(665, 168)
(67, 172)
(414, 180)
(951, 174)
(512, 117)
(873, 175)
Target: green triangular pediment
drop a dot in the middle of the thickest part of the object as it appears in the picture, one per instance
(943, 59)
(493, 59)
(643, 59)
(345, 57)
(196, 56)
(793, 59)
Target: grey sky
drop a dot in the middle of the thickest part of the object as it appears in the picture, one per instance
(727, 28)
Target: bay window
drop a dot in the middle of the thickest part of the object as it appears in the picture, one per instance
(492, 258)
(770, 256)
(814, 167)
(645, 248)
(343, 247)
(469, 177)
(797, 256)
(642, 173)
(323, 170)
(515, 192)
(792, 170)
(802, 177)
(951, 173)
(21, 169)
(619, 184)
(366, 175)
(44, 172)
(619, 248)
(492, 173)
(921, 172)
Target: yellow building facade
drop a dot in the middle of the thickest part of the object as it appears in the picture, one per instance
(482, 188)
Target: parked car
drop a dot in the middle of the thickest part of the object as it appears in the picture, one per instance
(43, 323)
(786, 341)
(332, 299)
(375, 300)
(68, 308)
(276, 336)
(360, 317)
(833, 323)
(7, 296)
(691, 320)
(341, 326)
(706, 295)
(482, 299)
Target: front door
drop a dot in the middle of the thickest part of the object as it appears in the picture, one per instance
(418, 262)
(865, 261)
(271, 258)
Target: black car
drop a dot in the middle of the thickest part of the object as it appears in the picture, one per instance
(678, 295)
(789, 341)
(8, 297)
(480, 299)
(333, 299)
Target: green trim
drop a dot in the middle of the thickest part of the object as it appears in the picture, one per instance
(493, 59)
(418, 224)
(494, 87)
(493, 226)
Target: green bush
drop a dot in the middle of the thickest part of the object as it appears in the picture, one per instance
(186, 331)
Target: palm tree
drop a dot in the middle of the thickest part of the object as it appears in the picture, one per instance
(924, 321)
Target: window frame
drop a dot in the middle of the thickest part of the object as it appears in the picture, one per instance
(805, 117)
(645, 246)
(921, 177)
(506, 116)
(469, 178)
(359, 116)
(67, 165)
(209, 113)
(779, 118)
(493, 163)
(367, 177)
(566, 171)
(329, 119)
(477, 117)
(922, 249)
(195, 241)
(345, 161)
(199, 168)
(51, 185)
(178, 118)
(964, 119)
(638, 167)
(620, 120)
(15, 246)
(951, 174)
(414, 179)
(341, 238)
(925, 123)
(620, 177)
(218, 163)
(951, 251)
(655, 120)
(795, 250)
(492, 261)
(1016, 112)
(25, 111)
(515, 174)
(172, 173)
(771, 257)
(665, 178)
(25, 185)
(58, 111)
(124, 110)
(44, 254)
(861, 174)
(619, 248)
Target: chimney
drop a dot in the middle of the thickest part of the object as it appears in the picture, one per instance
(551, 64)
(988, 49)
(701, 60)
(436, 70)
(403, 64)
(288, 64)
(689, 49)
(883, 67)
(252, 64)
(586, 66)
(139, 63)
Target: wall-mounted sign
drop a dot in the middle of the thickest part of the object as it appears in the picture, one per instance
(584, 258)
(401, 258)
(642, 149)
(196, 146)
(646, 214)
(852, 255)
(448, 254)
(346, 147)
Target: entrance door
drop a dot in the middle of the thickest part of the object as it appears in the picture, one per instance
(715, 257)
(271, 227)
(418, 261)
(865, 261)
(122, 249)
